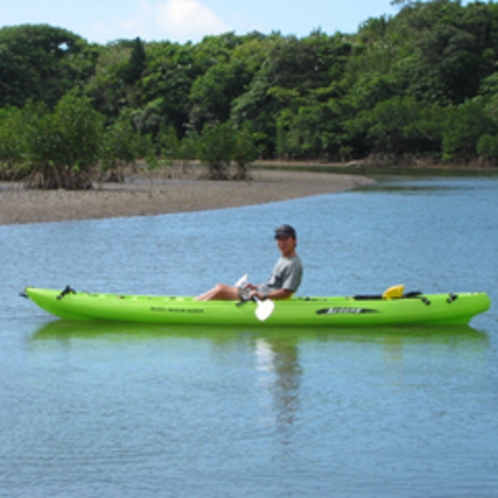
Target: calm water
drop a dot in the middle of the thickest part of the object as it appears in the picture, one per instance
(127, 411)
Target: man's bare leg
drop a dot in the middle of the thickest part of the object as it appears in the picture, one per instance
(220, 292)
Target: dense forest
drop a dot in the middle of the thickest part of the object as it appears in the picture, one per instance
(420, 85)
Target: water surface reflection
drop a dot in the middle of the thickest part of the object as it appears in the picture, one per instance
(276, 338)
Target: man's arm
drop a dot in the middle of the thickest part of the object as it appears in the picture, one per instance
(274, 295)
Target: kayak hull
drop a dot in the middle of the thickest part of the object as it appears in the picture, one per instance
(429, 309)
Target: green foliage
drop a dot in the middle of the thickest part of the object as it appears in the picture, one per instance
(132, 71)
(452, 49)
(149, 118)
(220, 143)
(12, 141)
(107, 89)
(488, 147)
(422, 82)
(42, 63)
(64, 146)
(257, 107)
(244, 152)
(168, 142)
(213, 92)
(312, 132)
(215, 149)
(167, 80)
(464, 126)
(120, 147)
(389, 125)
(187, 148)
(149, 151)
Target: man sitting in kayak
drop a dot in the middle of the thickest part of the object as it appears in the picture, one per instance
(283, 282)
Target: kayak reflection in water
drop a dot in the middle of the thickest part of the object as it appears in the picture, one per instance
(284, 279)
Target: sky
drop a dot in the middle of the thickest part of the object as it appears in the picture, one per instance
(103, 21)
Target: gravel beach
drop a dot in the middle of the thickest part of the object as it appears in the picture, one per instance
(142, 196)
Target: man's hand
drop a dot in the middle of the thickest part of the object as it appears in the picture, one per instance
(254, 293)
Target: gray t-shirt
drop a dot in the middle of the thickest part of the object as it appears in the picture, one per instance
(286, 275)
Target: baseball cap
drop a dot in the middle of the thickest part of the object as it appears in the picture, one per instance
(285, 231)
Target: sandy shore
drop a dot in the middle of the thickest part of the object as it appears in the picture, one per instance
(183, 192)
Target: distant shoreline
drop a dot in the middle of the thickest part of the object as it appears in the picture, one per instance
(170, 191)
(369, 165)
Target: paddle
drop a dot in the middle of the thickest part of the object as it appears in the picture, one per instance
(264, 309)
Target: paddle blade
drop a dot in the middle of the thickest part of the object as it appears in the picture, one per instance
(264, 309)
(241, 282)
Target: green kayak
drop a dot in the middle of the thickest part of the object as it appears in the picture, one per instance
(411, 308)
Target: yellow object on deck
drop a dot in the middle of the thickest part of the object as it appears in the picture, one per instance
(394, 292)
